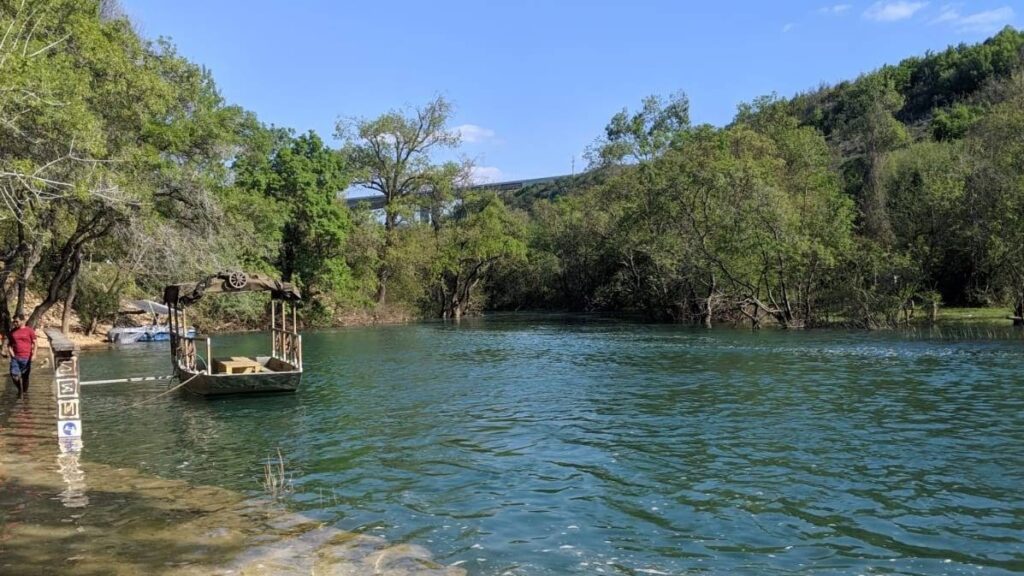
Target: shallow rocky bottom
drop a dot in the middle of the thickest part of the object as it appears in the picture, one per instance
(59, 515)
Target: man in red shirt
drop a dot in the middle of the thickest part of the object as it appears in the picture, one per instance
(21, 343)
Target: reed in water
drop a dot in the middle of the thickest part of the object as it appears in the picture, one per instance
(275, 481)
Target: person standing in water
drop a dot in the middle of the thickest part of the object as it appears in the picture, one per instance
(21, 344)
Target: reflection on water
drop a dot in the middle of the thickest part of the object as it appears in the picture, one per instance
(527, 445)
(74, 494)
(69, 431)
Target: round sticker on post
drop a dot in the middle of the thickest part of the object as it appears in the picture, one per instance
(69, 428)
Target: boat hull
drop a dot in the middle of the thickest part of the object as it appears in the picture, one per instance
(240, 384)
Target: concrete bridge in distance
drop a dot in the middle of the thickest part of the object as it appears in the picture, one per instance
(376, 201)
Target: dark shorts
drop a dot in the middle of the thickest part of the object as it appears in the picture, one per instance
(20, 366)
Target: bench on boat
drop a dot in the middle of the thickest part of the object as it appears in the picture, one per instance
(237, 365)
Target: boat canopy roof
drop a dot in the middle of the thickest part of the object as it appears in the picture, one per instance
(144, 306)
(224, 282)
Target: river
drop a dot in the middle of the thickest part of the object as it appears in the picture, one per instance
(526, 444)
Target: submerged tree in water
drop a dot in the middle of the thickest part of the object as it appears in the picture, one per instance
(482, 233)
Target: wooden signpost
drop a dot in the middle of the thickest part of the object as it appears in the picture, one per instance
(69, 412)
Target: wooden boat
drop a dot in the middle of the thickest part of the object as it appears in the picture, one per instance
(206, 375)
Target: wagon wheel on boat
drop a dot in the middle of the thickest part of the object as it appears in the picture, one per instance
(238, 280)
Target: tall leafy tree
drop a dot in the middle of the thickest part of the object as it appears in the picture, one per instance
(995, 197)
(481, 234)
(643, 135)
(392, 155)
(306, 178)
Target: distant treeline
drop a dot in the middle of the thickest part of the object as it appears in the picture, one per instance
(851, 204)
(122, 169)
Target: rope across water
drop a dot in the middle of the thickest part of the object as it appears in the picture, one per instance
(136, 405)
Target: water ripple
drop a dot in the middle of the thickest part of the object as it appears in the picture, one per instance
(532, 445)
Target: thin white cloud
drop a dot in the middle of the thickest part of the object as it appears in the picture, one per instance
(473, 134)
(485, 175)
(893, 11)
(835, 9)
(789, 26)
(949, 13)
(985, 22)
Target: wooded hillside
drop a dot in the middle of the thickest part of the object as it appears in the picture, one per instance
(123, 169)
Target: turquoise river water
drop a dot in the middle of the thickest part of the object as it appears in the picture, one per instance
(559, 445)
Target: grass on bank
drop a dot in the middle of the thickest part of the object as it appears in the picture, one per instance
(993, 316)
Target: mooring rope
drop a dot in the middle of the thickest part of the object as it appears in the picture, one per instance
(122, 380)
(194, 376)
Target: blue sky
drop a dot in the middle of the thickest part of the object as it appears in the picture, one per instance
(535, 81)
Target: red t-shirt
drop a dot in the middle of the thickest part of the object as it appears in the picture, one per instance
(21, 341)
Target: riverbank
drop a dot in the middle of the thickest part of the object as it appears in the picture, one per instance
(385, 316)
(994, 317)
(62, 515)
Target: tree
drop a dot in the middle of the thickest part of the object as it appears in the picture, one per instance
(482, 232)
(953, 124)
(925, 184)
(391, 154)
(995, 200)
(871, 130)
(306, 179)
(98, 130)
(645, 134)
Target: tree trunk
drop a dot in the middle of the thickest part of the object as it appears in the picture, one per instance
(69, 300)
(383, 274)
(31, 260)
(65, 317)
(382, 288)
(709, 304)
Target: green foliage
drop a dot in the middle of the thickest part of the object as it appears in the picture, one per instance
(995, 191)
(99, 295)
(925, 184)
(933, 82)
(122, 166)
(873, 287)
(310, 178)
(953, 124)
(100, 132)
(245, 310)
(482, 232)
(391, 155)
(645, 134)
(291, 189)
